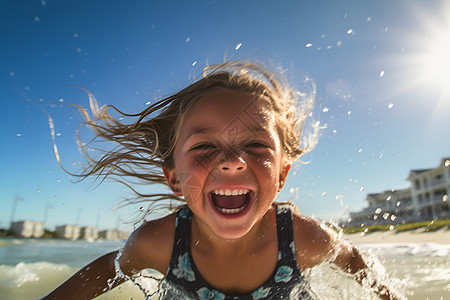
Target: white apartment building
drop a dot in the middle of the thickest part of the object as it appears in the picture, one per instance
(68, 231)
(426, 199)
(28, 229)
(88, 233)
(113, 234)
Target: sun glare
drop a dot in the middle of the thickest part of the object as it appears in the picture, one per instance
(436, 59)
(425, 63)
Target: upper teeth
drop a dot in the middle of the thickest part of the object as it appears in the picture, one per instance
(228, 192)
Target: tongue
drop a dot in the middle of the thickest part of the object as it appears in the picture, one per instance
(229, 202)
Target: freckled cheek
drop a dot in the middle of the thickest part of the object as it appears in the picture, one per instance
(191, 185)
(267, 168)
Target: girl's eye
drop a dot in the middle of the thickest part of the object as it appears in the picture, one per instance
(205, 146)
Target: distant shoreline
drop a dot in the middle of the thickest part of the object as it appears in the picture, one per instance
(441, 236)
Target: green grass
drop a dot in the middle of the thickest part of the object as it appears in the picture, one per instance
(425, 225)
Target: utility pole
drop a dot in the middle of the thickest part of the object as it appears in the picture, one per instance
(13, 213)
(78, 216)
(97, 224)
(47, 208)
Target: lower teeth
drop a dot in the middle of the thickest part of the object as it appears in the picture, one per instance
(230, 210)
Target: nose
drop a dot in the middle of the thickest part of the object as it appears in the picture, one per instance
(233, 164)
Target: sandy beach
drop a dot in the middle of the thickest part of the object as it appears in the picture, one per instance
(441, 236)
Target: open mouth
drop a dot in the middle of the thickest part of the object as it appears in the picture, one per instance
(230, 201)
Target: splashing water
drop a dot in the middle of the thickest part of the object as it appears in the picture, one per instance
(148, 281)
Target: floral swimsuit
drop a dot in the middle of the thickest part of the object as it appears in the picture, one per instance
(183, 280)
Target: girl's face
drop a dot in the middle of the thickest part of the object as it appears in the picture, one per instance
(228, 162)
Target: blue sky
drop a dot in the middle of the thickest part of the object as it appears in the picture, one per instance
(379, 66)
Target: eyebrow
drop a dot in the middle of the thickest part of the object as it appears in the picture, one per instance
(197, 131)
(205, 130)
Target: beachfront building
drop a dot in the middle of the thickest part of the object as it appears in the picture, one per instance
(88, 233)
(28, 229)
(426, 199)
(430, 189)
(113, 234)
(71, 232)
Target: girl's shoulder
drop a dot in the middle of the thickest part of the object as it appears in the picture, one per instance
(150, 245)
(313, 240)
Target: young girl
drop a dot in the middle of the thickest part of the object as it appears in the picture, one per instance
(224, 145)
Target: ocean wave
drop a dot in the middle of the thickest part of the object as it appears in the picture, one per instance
(34, 280)
(399, 249)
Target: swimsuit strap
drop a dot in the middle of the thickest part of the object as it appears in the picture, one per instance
(285, 233)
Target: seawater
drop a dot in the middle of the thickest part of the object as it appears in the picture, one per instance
(30, 268)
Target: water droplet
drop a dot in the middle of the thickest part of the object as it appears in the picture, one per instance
(390, 105)
(398, 203)
(325, 109)
(369, 19)
(141, 208)
(393, 218)
(58, 180)
(12, 74)
(350, 31)
(78, 50)
(43, 3)
(445, 198)
(194, 63)
(75, 35)
(329, 47)
(386, 29)
(71, 76)
(136, 92)
(334, 131)
(18, 134)
(37, 19)
(385, 216)
(389, 198)
(27, 88)
(447, 163)
(148, 103)
(324, 194)
(378, 210)
(38, 190)
(58, 134)
(317, 124)
(362, 189)
(349, 112)
(238, 46)
(339, 43)
(375, 217)
(391, 227)
(381, 73)
(360, 150)
(188, 39)
(308, 45)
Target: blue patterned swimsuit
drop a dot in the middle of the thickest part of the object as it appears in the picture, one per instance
(183, 280)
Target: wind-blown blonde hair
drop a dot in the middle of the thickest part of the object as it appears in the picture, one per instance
(143, 147)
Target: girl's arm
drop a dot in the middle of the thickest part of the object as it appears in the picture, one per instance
(320, 244)
(150, 246)
(349, 259)
(88, 283)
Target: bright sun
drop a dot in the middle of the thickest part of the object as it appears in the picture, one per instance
(425, 64)
(436, 59)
